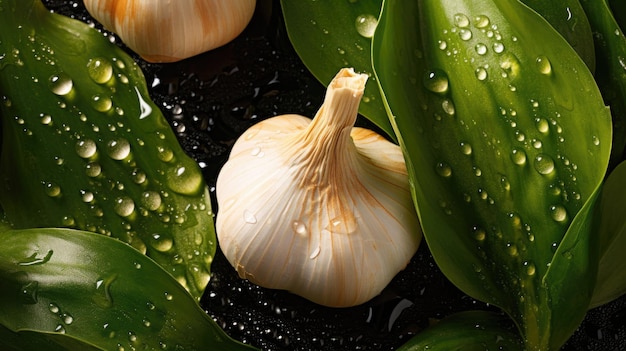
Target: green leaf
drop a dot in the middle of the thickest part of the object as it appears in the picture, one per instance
(329, 35)
(507, 140)
(85, 147)
(569, 19)
(611, 69)
(467, 331)
(97, 291)
(611, 282)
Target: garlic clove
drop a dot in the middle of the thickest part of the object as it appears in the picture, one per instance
(169, 31)
(318, 207)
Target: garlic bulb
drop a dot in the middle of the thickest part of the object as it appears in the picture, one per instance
(168, 30)
(318, 207)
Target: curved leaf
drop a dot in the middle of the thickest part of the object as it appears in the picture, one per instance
(506, 139)
(330, 35)
(467, 331)
(98, 291)
(85, 147)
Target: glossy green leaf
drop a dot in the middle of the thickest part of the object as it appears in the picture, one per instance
(611, 71)
(329, 35)
(569, 19)
(85, 147)
(97, 291)
(467, 331)
(507, 140)
(611, 282)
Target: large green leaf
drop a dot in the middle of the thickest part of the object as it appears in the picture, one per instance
(85, 147)
(506, 139)
(70, 288)
(467, 331)
(611, 282)
(329, 35)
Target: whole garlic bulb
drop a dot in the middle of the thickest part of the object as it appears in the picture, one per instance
(318, 207)
(172, 30)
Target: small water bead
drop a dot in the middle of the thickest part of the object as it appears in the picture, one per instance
(480, 234)
(543, 65)
(558, 213)
(529, 267)
(86, 148)
(161, 242)
(124, 206)
(61, 84)
(54, 308)
(481, 73)
(481, 21)
(448, 107)
(481, 49)
(184, 180)
(101, 103)
(443, 169)
(249, 217)
(595, 140)
(461, 20)
(518, 156)
(118, 149)
(442, 44)
(436, 81)
(477, 171)
(466, 148)
(366, 25)
(165, 154)
(67, 318)
(504, 183)
(100, 70)
(511, 249)
(139, 177)
(498, 47)
(151, 200)
(299, 228)
(45, 119)
(544, 164)
(542, 125)
(465, 34)
(52, 189)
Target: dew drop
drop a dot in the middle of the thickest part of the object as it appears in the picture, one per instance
(481, 49)
(558, 213)
(86, 196)
(52, 189)
(543, 65)
(118, 149)
(86, 148)
(448, 107)
(61, 84)
(544, 164)
(443, 169)
(518, 156)
(479, 234)
(465, 34)
(54, 308)
(436, 81)
(530, 268)
(498, 47)
(45, 119)
(504, 183)
(442, 44)
(481, 21)
(299, 228)
(67, 318)
(511, 249)
(161, 242)
(481, 73)
(165, 154)
(315, 253)
(466, 148)
(124, 206)
(366, 25)
(139, 177)
(461, 20)
(542, 125)
(101, 103)
(151, 200)
(100, 70)
(595, 140)
(249, 217)
(184, 180)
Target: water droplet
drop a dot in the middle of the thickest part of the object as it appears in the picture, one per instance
(366, 25)
(60, 329)
(161, 242)
(529, 267)
(61, 84)
(465, 34)
(151, 200)
(443, 169)
(139, 177)
(165, 154)
(299, 228)
(595, 140)
(168, 296)
(481, 49)
(544, 164)
(86, 148)
(543, 65)
(315, 253)
(442, 44)
(67, 318)
(461, 20)
(542, 125)
(184, 180)
(466, 148)
(481, 73)
(479, 234)
(124, 206)
(256, 152)
(481, 21)
(511, 249)
(45, 119)
(29, 292)
(101, 103)
(118, 149)
(52, 189)
(249, 217)
(436, 81)
(558, 213)
(518, 156)
(448, 107)
(504, 183)
(498, 47)
(93, 169)
(100, 70)
(54, 308)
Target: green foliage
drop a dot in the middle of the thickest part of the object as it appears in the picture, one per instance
(84, 146)
(61, 289)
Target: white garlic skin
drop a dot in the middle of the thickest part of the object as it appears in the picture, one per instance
(172, 30)
(333, 222)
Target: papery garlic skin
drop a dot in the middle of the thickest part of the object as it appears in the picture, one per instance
(318, 207)
(168, 30)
